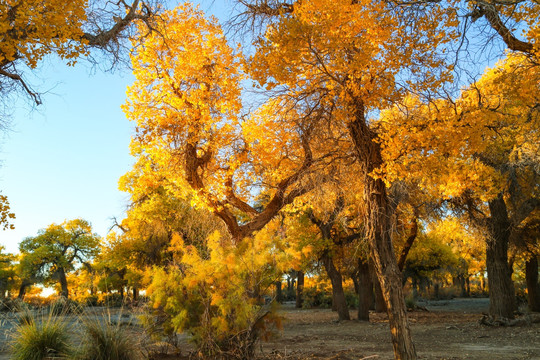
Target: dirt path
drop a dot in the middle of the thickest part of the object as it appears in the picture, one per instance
(450, 330)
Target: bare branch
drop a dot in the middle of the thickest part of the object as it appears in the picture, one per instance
(16, 77)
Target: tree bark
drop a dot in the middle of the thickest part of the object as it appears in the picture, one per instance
(378, 298)
(501, 288)
(408, 243)
(365, 290)
(338, 295)
(378, 229)
(299, 289)
(533, 288)
(63, 283)
(279, 292)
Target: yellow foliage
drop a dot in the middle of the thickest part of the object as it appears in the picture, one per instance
(216, 293)
(31, 29)
(448, 147)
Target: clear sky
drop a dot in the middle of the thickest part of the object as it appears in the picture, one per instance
(63, 160)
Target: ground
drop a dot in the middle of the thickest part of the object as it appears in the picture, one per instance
(448, 330)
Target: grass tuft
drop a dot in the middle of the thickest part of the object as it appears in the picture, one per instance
(105, 340)
(37, 339)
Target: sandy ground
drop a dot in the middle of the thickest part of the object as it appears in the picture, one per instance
(448, 330)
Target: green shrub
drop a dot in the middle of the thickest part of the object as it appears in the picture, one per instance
(36, 339)
(91, 300)
(317, 297)
(410, 302)
(352, 299)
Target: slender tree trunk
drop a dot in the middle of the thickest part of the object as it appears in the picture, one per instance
(408, 243)
(501, 289)
(533, 288)
(279, 292)
(135, 293)
(365, 290)
(63, 283)
(338, 295)
(415, 287)
(378, 232)
(300, 289)
(461, 279)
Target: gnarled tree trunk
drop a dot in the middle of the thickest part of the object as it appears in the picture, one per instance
(502, 299)
(378, 232)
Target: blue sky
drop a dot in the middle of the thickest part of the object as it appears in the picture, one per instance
(63, 160)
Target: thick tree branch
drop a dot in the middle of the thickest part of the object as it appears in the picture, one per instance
(267, 7)
(233, 200)
(103, 38)
(408, 243)
(489, 11)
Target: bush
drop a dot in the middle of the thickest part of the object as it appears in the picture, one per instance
(9, 305)
(63, 306)
(105, 340)
(410, 302)
(317, 296)
(214, 295)
(352, 299)
(36, 339)
(111, 300)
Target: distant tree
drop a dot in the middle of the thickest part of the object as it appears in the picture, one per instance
(56, 251)
(7, 272)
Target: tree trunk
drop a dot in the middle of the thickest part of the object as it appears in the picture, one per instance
(338, 295)
(408, 243)
(3, 289)
(461, 280)
(63, 283)
(414, 288)
(22, 289)
(299, 289)
(378, 228)
(279, 292)
(365, 290)
(380, 303)
(533, 288)
(502, 300)
(135, 293)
